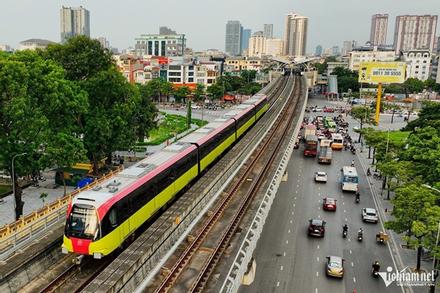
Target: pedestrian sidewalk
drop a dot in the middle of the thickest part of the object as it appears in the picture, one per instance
(404, 257)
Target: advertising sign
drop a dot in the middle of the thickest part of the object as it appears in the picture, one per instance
(382, 72)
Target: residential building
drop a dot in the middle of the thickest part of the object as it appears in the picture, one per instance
(33, 44)
(104, 43)
(332, 65)
(160, 45)
(335, 51)
(74, 21)
(236, 64)
(369, 54)
(347, 47)
(5, 48)
(257, 45)
(379, 27)
(295, 35)
(234, 32)
(318, 50)
(435, 72)
(415, 32)
(274, 47)
(245, 39)
(163, 30)
(418, 64)
(268, 31)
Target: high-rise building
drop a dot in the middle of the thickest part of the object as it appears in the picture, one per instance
(268, 31)
(160, 45)
(379, 27)
(273, 47)
(74, 21)
(164, 30)
(335, 51)
(104, 43)
(245, 39)
(318, 50)
(257, 45)
(415, 32)
(347, 47)
(234, 32)
(295, 35)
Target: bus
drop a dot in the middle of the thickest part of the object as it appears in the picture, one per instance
(350, 179)
(330, 124)
(337, 141)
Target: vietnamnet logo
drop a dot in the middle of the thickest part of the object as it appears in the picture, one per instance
(407, 278)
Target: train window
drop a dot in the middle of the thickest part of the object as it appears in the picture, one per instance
(113, 218)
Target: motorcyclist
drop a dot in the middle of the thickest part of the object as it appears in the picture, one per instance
(360, 232)
(352, 163)
(345, 228)
(376, 266)
(368, 172)
(358, 195)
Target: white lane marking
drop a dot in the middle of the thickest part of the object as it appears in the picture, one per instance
(294, 197)
(319, 187)
(296, 192)
(290, 221)
(319, 216)
(352, 264)
(284, 253)
(349, 239)
(351, 251)
(287, 241)
(346, 220)
(278, 284)
(297, 186)
(317, 247)
(343, 203)
(281, 268)
(294, 205)
(288, 231)
(316, 290)
(345, 211)
(317, 259)
(293, 213)
(317, 274)
(319, 208)
(354, 280)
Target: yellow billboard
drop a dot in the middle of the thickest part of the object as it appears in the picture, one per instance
(382, 72)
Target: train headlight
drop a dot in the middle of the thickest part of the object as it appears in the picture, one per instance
(97, 255)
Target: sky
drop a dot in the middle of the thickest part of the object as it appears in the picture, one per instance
(203, 21)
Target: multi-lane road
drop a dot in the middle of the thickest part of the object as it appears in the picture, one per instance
(290, 261)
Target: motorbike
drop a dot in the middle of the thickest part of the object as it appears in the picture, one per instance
(375, 272)
(344, 234)
(357, 200)
(353, 151)
(360, 236)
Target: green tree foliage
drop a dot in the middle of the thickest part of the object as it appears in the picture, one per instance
(216, 91)
(39, 112)
(413, 85)
(199, 92)
(182, 93)
(364, 115)
(428, 116)
(248, 75)
(347, 79)
(145, 113)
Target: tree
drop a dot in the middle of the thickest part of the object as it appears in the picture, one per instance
(216, 91)
(347, 79)
(166, 89)
(428, 116)
(248, 75)
(199, 92)
(81, 57)
(145, 113)
(181, 94)
(364, 115)
(35, 94)
(413, 85)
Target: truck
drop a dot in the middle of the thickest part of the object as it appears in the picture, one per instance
(309, 129)
(311, 145)
(325, 152)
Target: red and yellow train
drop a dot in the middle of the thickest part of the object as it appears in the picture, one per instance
(100, 219)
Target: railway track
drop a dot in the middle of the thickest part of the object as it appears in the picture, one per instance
(76, 277)
(208, 246)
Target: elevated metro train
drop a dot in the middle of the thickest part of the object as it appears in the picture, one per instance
(100, 219)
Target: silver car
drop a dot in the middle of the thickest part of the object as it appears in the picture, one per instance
(321, 177)
(369, 215)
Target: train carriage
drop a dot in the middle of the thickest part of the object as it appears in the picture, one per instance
(100, 219)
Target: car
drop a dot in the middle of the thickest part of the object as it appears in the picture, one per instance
(195, 107)
(320, 177)
(334, 266)
(317, 110)
(329, 204)
(369, 215)
(316, 227)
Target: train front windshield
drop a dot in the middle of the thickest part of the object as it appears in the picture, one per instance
(82, 222)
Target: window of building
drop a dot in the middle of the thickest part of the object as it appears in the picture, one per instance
(191, 67)
(174, 67)
(190, 79)
(191, 73)
(175, 79)
(174, 73)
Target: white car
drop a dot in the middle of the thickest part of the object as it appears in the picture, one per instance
(369, 215)
(321, 177)
(195, 107)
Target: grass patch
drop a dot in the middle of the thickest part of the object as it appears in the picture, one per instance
(4, 189)
(170, 124)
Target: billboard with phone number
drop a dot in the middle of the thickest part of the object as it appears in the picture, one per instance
(382, 72)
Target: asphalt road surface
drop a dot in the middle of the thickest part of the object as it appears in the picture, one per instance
(290, 261)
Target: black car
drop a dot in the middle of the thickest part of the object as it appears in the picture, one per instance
(316, 227)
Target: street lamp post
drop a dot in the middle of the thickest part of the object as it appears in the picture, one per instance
(13, 178)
